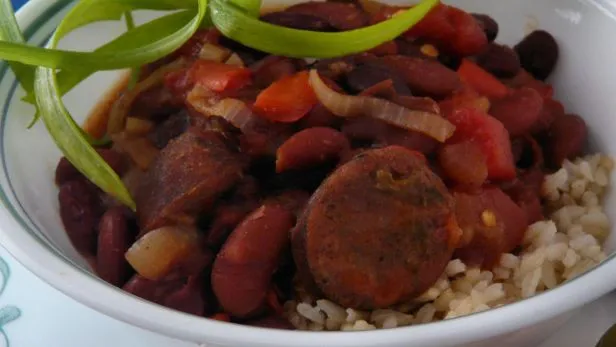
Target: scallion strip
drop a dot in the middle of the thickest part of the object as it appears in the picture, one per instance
(67, 134)
(236, 24)
(10, 32)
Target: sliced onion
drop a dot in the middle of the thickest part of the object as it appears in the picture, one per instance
(140, 149)
(163, 250)
(235, 59)
(119, 112)
(214, 53)
(346, 106)
(138, 126)
(232, 110)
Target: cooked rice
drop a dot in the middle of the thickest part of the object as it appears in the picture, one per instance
(554, 251)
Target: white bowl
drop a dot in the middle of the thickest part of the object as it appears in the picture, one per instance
(33, 233)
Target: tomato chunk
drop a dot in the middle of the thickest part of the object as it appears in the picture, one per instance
(219, 77)
(491, 136)
(482, 81)
(492, 224)
(286, 100)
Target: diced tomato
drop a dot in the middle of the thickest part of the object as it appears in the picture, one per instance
(491, 136)
(286, 100)
(219, 77)
(492, 224)
(463, 98)
(482, 81)
(178, 82)
(454, 30)
(435, 25)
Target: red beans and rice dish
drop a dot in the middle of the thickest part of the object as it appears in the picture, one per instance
(431, 177)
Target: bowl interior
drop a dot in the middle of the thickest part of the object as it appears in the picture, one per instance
(583, 80)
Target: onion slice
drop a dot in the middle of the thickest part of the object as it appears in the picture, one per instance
(430, 124)
(232, 110)
(119, 111)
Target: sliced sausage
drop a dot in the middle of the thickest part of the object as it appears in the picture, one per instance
(169, 129)
(114, 239)
(186, 178)
(492, 224)
(379, 231)
(242, 271)
(424, 77)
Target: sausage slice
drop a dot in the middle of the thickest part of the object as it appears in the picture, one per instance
(379, 231)
(186, 177)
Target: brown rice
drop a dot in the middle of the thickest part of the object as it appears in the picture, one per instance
(555, 251)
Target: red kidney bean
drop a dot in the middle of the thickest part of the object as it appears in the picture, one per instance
(309, 148)
(65, 171)
(303, 21)
(242, 271)
(566, 139)
(271, 69)
(169, 129)
(499, 60)
(386, 48)
(319, 116)
(188, 299)
(369, 74)
(342, 16)
(518, 111)
(114, 239)
(527, 153)
(488, 24)
(154, 291)
(226, 218)
(528, 199)
(424, 77)
(80, 212)
(538, 53)
(551, 110)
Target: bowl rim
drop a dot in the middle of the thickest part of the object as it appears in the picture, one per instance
(62, 274)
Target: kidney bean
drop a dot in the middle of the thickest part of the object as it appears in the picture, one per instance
(188, 299)
(159, 102)
(527, 153)
(342, 16)
(369, 74)
(335, 67)
(80, 212)
(424, 77)
(154, 291)
(242, 271)
(518, 111)
(551, 110)
(271, 69)
(303, 21)
(247, 54)
(114, 239)
(499, 60)
(309, 148)
(65, 171)
(320, 116)
(566, 139)
(527, 198)
(226, 218)
(386, 48)
(464, 163)
(538, 53)
(488, 24)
